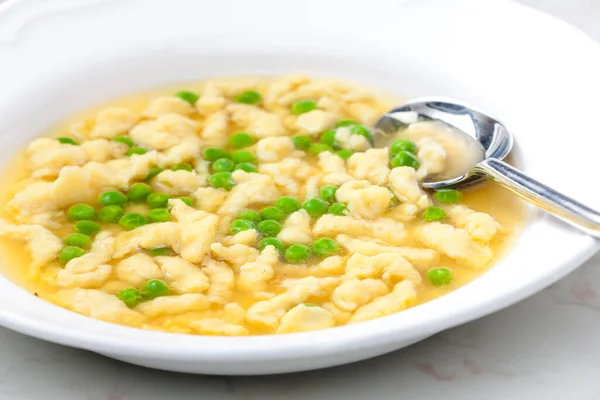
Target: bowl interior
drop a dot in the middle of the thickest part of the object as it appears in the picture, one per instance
(455, 54)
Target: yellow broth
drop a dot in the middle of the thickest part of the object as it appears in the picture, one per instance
(16, 260)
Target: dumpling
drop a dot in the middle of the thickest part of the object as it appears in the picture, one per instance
(99, 305)
(43, 245)
(455, 243)
(402, 296)
(137, 269)
(90, 270)
(305, 318)
(182, 275)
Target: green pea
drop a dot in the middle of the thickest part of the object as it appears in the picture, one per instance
(346, 122)
(402, 145)
(221, 180)
(87, 227)
(448, 196)
(315, 207)
(241, 140)
(130, 296)
(302, 142)
(68, 253)
(139, 192)
(80, 212)
(327, 193)
(250, 216)
(405, 159)
(159, 251)
(111, 214)
(297, 253)
(159, 215)
(153, 172)
(125, 140)
(243, 156)
(188, 96)
(344, 154)
(273, 212)
(434, 214)
(303, 106)
(328, 138)
(439, 276)
(223, 165)
(317, 148)
(271, 241)
(136, 150)
(240, 225)
(362, 131)
(158, 200)
(78, 240)
(246, 166)
(325, 247)
(187, 200)
(214, 153)
(288, 204)
(269, 227)
(337, 209)
(112, 198)
(154, 288)
(67, 140)
(132, 221)
(182, 167)
(249, 97)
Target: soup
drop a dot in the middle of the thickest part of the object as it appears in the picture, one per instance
(243, 206)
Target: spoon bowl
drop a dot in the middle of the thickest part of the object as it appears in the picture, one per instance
(489, 135)
(494, 142)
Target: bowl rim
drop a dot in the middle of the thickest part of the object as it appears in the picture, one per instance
(308, 344)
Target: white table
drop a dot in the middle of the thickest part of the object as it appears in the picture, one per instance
(547, 347)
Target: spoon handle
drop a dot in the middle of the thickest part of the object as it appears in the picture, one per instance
(546, 198)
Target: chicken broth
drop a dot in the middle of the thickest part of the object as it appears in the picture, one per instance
(242, 206)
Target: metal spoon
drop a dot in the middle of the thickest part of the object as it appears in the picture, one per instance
(496, 141)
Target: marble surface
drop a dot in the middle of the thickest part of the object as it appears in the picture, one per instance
(545, 347)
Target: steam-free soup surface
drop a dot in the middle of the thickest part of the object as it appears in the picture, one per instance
(243, 206)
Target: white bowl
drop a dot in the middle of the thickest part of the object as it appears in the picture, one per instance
(535, 72)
